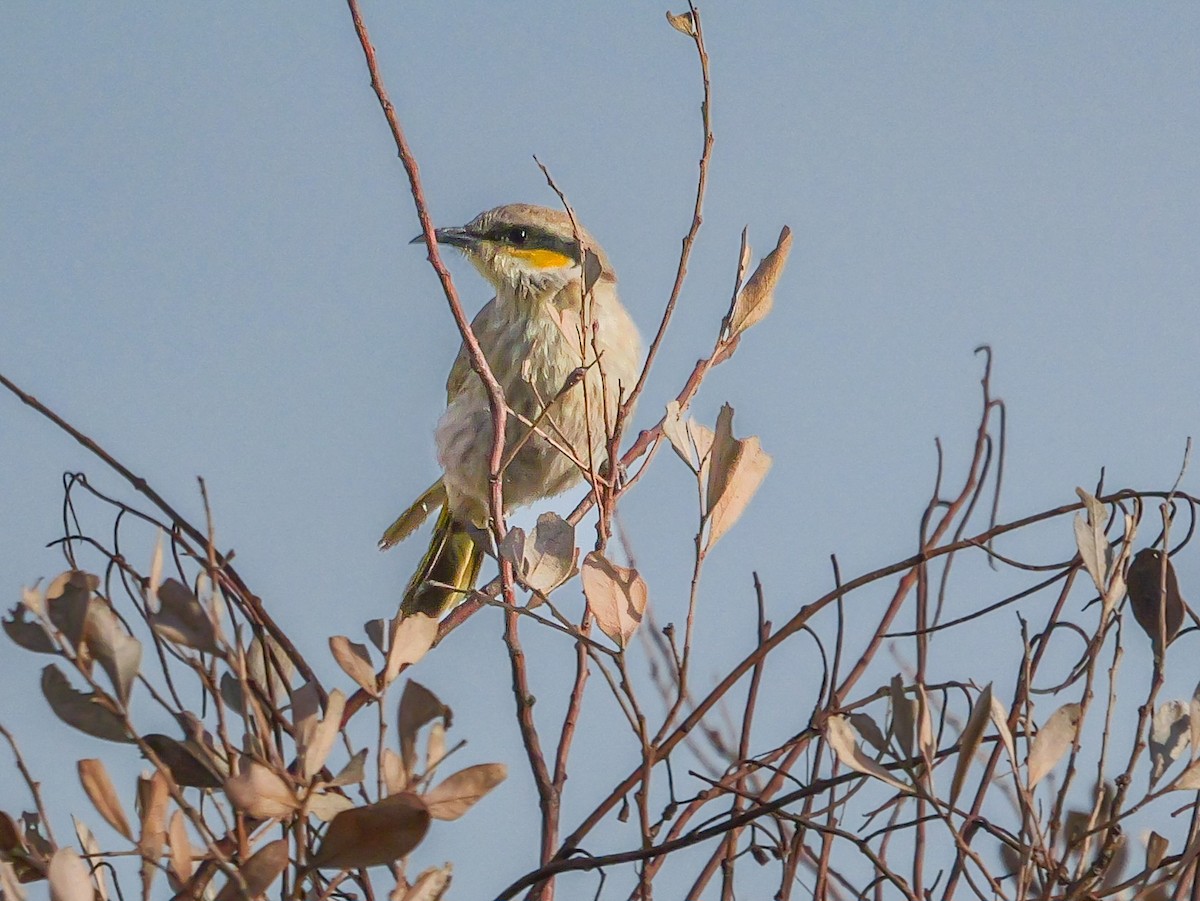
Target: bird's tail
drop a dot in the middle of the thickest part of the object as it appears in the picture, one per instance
(448, 571)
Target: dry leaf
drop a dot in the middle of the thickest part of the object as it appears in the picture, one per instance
(394, 776)
(258, 873)
(412, 637)
(418, 706)
(10, 883)
(29, 635)
(840, 735)
(904, 717)
(179, 847)
(682, 22)
(1000, 721)
(926, 741)
(691, 441)
(969, 741)
(355, 661)
(317, 750)
(1089, 537)
(374, 835)
(70, 878)
(435, 746)
(91, 850)
(1156, 850)
(452, 797)
(190, 763)
(1052, 741)
(1146, 598)
(546, 557)
(431, 885)
(259, 792)
(67, 601)
(326, 805)
(755, 300)
(1189, 779)
(353, 772)
(868, 731)
(118, 653)
(268, 667)
(100, 791)
(1170, 732)
(182, 619)
(88, 713)
(153, 795)
(1194, 721)
(736, 469)
(616, 596)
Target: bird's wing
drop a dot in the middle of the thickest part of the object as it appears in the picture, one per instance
(408, 521)
(461, 369)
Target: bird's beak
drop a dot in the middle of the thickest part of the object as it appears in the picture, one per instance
(455, 237)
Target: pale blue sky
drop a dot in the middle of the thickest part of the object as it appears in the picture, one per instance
(204, 265)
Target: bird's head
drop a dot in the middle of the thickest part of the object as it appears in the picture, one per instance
(527, 250)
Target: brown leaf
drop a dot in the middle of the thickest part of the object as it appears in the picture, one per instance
(394, 776)
(1089, 537)
(971, 738)
(323, 736)
(1156, 850)
(88, 713)
(117, 652)
(326, 805)
(452, 797)
(100, 791)
(70, 878)
(1189, 779)
(1170, 732)
(690, 440)
(179, 847)
(546, 557)
(418, 706)
(268, 667)
(736, 469)
(431, 885)
(758, 296)
(1146, 598)
(182, 619)
(1052, 741)
(841, 737)
(29, 635)
(353, 772)
(374, 835)
(10, 883)
(904, 716)
(868, 730)
(260, 792)
(355, 661)
(616, 596)
(153, 794)
(191, 765)
(91, 850)
(258, 873)
(67, 601)
(682, 22)
(412, 637)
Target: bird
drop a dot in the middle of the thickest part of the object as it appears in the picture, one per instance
(566, 354)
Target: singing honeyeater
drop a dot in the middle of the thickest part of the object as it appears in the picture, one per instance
(536, 336)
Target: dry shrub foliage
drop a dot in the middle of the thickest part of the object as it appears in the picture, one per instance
(1036, 783)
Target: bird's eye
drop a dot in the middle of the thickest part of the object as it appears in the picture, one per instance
(518, 236)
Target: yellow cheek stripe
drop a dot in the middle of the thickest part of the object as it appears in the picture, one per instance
(540, 258)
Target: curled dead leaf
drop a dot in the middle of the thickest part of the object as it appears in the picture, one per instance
(91, 712)
(755, 300)
(841, 737)
(355, 661)
(258, 873)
